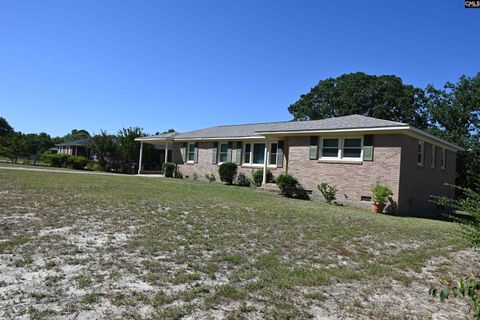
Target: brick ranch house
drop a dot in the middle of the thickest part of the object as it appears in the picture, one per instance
(353, 153)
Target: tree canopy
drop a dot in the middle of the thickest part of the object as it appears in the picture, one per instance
(384, 97)
(5, 128)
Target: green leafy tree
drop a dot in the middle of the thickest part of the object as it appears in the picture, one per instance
(5, 128)
(14, 146)
(128, 148)
(38, 143)
(455, 116)
(104, 147)
(76, 135)
(384, 97)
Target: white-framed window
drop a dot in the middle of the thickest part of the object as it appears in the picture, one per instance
(420, 153)
(346, 148)
(433, 158)
(352, 148)
(254, 153)
(247, 153)
(273, 153)
(443, 158)
(330, 148)
(191, 152)
(223, 154)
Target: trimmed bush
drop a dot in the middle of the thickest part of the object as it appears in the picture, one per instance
(210, 177)
(55, 159)
(228, 171)
(290, 187)
(168, 169)
(77, 162)
(328, 192)
(243, 180)
(257, 176)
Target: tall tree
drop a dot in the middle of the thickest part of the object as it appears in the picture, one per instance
(128, 148)
(14, 146)
(5, 128)
(104, 147)
(76, 135)
(455, 116)
(384, 97)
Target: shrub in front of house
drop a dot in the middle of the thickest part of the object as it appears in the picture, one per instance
(243, 180)
(55, 159)
(227, 171)
(77, 162)
(257, 177)
(168, 169)
(178, 174)
(328, 192)
(210, 177)
(290, 187)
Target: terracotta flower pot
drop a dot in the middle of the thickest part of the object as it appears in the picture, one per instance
(378, 207)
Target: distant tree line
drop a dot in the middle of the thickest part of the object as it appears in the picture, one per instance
(118, 151)
(451, 112)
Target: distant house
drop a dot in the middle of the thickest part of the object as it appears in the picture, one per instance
(75, 148)
(353, 153)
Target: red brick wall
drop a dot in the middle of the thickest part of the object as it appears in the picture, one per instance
(418, 184)
(352, 180)
(205, 165)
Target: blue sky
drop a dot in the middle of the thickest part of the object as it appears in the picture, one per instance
(188, 64)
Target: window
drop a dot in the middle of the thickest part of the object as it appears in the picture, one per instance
(247, 153)
(420, 153)
(341, 148)
(191, 152)
(258, 153)
(273, 153)
(352, 148)
(330, 148)
(255, 154)
(433, 159)
(443, 158)
(223, 152)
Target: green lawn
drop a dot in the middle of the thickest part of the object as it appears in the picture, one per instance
(135, 247)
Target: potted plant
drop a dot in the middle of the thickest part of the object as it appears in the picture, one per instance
(380, 196)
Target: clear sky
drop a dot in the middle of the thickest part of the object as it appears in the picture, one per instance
(190, 64)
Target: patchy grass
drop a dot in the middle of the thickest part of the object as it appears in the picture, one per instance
(133, 247)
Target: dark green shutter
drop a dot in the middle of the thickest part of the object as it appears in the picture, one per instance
(368, 147)
(238, 159)
(195, 155)
(313, 154)
(229, 152)
(183, 152)
(280, 154)
(214, 152)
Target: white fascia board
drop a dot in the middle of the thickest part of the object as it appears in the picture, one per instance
(408, 130)
(256, 137)
(307, 132)
(430, 138)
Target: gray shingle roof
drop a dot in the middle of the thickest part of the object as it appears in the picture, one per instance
(247, 130)
(81, 142)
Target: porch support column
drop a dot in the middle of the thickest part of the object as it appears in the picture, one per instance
(166, 151)
(265, 161)
(140, 160)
